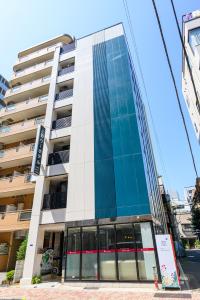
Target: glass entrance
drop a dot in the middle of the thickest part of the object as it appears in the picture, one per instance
(123, 252)
(73, 254)
(126, 250)
(89, 253)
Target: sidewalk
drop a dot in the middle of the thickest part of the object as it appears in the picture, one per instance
(53, 291)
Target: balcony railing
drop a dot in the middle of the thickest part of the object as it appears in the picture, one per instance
(23, 105)
(20, 126)
(64, 94)
(33, 68)
(38, 53)
(66, 70)
(15, 152)
(60, 157)
(55, 201)
(28, 85)
(67, 48)
(24, 215)
(62, 123)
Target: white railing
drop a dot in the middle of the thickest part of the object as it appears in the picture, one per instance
(32, 68)
(11, 153)
(23, 105)
(20, 126)
(29, 84)
(16, 215)
(22, 178)
(38, 53)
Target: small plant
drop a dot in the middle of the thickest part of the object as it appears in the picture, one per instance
(187, 245)
(10, 276)
(197, 244)
(36, 279)
(21, 253)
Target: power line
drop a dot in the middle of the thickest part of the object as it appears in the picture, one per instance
(144, 86)
(175, 86)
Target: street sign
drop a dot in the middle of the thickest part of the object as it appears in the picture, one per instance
(167, 261)
(37, 157)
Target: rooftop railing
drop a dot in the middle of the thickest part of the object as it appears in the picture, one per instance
(67, 48)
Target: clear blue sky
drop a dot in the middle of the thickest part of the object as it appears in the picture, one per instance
(28, 22)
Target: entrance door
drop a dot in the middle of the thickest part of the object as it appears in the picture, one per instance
(126, 251)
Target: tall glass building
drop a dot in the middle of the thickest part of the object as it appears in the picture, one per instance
(95, 207)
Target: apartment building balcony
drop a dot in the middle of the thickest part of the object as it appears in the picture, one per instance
(15, 220)
(32, 69)
(31, 89)
(66, 70)
(43, 50)
(64, 94)
(58, 163)
(21, 155)
(54, 201)
(54, 208)
(16, 185)
(20, 131)
(61, 127)
(68, 48)
(59, 157)
(29, 107)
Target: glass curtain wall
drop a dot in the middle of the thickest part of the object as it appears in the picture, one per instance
(123, 252)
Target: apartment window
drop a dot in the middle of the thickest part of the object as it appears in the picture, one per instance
(194, 38)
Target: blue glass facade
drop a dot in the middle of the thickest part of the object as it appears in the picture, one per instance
(120, 182)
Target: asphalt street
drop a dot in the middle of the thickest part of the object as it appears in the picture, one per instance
(191, 268)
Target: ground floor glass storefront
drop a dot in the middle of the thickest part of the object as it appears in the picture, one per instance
(123, 252)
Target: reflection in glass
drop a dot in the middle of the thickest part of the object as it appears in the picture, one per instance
(148, 253)
(73, 253)
(107, 252)
(126, 252)
(89, 253)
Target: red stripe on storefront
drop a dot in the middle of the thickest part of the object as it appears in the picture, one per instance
(123, 250)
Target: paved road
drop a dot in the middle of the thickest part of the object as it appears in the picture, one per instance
(191, 268)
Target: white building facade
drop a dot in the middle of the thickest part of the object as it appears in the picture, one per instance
(191, 36)
(96, 203)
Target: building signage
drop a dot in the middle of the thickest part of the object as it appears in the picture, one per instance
(38, 150)
(167, 261)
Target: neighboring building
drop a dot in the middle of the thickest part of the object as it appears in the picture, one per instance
(97, 198)
(169, 211)
(189, 194)
(3, 88)
(191, 36)
(185, 227)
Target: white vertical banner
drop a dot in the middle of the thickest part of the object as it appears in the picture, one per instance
(167, 261)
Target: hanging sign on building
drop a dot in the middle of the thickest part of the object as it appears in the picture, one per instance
(167, 261)
(37, 157)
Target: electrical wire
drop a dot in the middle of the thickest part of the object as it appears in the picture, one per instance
(175, 86)
(126, 8)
